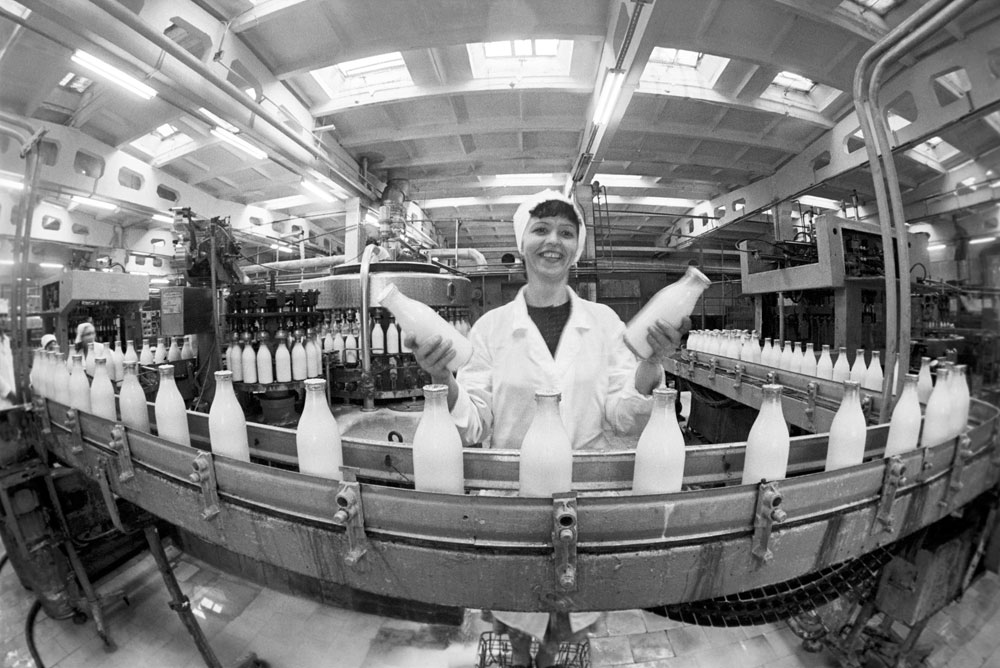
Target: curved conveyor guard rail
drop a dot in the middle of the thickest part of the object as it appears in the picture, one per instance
(498, 552)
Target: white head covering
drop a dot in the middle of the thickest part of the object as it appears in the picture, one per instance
(523, 215)
(82, 329)
(47, 339)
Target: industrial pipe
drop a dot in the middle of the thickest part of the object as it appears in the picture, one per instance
(366, 344)
(308, 263)
(460, 254)
(861, 74)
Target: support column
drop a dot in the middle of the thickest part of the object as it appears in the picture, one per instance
(354, 235)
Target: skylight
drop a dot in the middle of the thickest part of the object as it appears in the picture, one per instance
(161, 140)
(793, 82)
(372, 74)
(933, 153)
(880, 7)
(668, 68)
(75, 82)
(680, 57)
(520, 58)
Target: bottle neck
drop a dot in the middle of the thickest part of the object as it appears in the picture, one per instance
(436, 401)
(852, 394)
(547, 405)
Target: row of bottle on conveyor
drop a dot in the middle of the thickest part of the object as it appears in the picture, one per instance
(789, 356)
(299, 356)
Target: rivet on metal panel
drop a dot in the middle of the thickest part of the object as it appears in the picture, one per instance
(737, 375)
(119, 444)
(42, 411)
(768, 512)
(892, 478)
(564, 537)
(76, 436)
(712, 363)
(350, 515)
(962, 453)
(204, 475)
(812, 390)
(107, 494)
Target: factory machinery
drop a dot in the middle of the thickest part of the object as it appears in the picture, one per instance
(719, 552)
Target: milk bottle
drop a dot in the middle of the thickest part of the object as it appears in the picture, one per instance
(282, 361)
(437, 446)
(841, 370)
(102, 391)
(420, 321)
(61, 381)
(317, 437)
(160, 354)
(671, 304)
(904, 427)
(546, 466)
(924, 383)
(859, 368)
(312, 356)
(227, 428)
(187, 351)
(768, 442)
(960, 400)
(146, 356)
(300, 367)
(249, 363)
(809, 361)
(265, 373)
(873, 375)
(847, 431)
(79, 386)
(937, 415)
(235, 361)
(171, 415)
(132, 400)
(659, 455)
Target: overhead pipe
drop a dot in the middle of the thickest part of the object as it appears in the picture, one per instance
(460, 254)
(883, 146)
(861, 77)
(296, 265)
(132, 21)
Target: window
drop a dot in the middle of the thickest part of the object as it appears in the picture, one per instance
(793, 82)
(880, 7)
(75, 82)
(129, 179)
(679, 57)
(520, 58)
(166, 193)
(522, 48)
(88, 165)
(51, 223)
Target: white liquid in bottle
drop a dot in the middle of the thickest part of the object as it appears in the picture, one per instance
(146, 355)
(116, 368)
(79, 386)
(160, 354)
(420, 321)
(187, 351)
(767, 354)
(960, 400)
(35, 375)
(873, 374)
(338, 347)
(848, 430)
(249, 363)
(924, 382)
(659, 455)
(841, 370)
(824, 367)
(671, 305)
(89, 359)
(300, 368)
(546, 466)
(937, 415)
(317, 437)
(132, 400)
(859, 368)
(795, 361)
(227, 428)
(768, 442)
(437, 446)
(171, 414)
(378, 338)
(174, 351)
(61, 381)
(102, 391)
(235, 361)
(904, 427)
(265, 372)
(282, 361)
(312, 356)
(809, 361)
(392, 338)
(351, 349)
(786, 357)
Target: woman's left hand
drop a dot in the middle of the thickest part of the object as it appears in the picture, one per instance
(665, 339)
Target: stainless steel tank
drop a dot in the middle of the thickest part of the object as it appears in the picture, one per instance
(423, 282)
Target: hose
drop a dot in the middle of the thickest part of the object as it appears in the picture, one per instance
(29, 633)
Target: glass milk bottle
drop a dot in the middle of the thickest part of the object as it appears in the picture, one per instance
(848, 430)
(227, 428)
(187, 352)
(317, 437)
(437, 446)
(300, 368)
(873, 375)
(174, 351)
(235, 359)
(129, 356)
(117, 363)
(421, 322)
(824, 366)
(312, 355)
(392, 338)
(546, 465)
(960, 400)
(102, 391)
(35, 375)
(249, 362)
(160, 354)
(146, 356)
(795, 361)
(904, 427)
(809, 360)
(328, 341)
(659, 455)
(859, 368)
(79, 386)
(282, 361)
(378, 337)
(265, 372)
(132, 399)
(842, 369)
(767, 354)
(61, 381)
(171, 414)
(925, 383)
(768, 443)
(89, 359)
(671, 304)
(937, 415)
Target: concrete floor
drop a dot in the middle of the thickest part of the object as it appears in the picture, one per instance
(287, 631)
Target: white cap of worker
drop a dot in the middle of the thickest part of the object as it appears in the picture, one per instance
(47, 339)
(523, 215)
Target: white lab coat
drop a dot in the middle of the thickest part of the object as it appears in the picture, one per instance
(592, 369)
(6, 371)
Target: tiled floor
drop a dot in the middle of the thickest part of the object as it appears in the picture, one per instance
(291, 632)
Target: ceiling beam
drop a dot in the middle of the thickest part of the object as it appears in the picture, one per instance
(868, 26)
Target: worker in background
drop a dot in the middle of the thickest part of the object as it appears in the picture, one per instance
(50, 343)
(548, 337)
(85, 334)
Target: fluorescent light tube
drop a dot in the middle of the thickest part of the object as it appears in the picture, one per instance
(220, 122)
(6, 262)
(982, 240)
(11, 184)
(934, 247)
(162, 218)
(609, 96)
(317, 191)
(50, 265)
(239, 143)
(819, 202)
(126, 81)
(160, 281)
(95, 203)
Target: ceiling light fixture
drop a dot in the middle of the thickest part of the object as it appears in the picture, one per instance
(935, 247)
(220, 122)
(609, 96)
(50, 265)
(95, 203)
(982, 240)
(317, 191)
(160, 281)
(115, 75)
(239, 143)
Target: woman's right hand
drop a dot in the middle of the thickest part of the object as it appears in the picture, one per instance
(433, 356)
